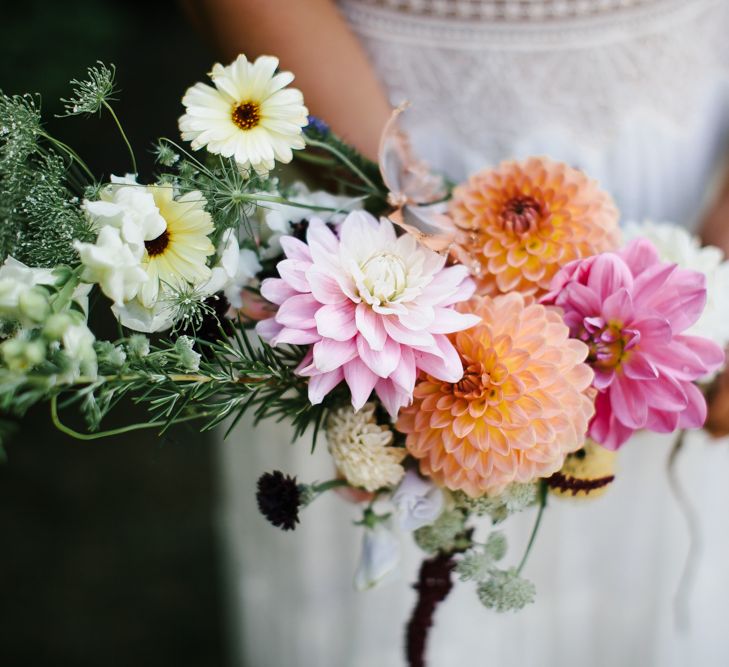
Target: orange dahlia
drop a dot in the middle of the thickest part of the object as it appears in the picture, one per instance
(518, 224)
(522, 405)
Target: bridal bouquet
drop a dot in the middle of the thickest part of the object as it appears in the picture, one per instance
(462, 352)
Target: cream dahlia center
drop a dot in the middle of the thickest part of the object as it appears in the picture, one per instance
(385, 277)
(246, 115)
(521, 215)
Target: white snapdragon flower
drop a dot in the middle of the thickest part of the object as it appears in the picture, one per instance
(131, 208)
(18, 280)
(675, 244)
(78, 344)
(113, 264)
(419, 502)
(380, 556)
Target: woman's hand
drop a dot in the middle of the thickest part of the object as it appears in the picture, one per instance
(715, 231)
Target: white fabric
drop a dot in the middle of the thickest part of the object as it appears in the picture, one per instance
(636, 93)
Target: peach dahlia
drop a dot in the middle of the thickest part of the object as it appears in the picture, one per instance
(519, 223)
(523, 404)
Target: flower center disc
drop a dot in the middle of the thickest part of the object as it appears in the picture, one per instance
(521, 215)
(246, 115)
(157, 246)
(385, 276)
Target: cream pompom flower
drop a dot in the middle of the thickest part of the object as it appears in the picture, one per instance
(249, 114)
(362, 449)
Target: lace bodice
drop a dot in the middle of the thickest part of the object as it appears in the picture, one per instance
(609, 85)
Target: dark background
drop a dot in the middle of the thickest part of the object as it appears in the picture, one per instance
(107, 548)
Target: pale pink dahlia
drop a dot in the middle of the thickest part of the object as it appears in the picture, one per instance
(631, 309)
(375, 307)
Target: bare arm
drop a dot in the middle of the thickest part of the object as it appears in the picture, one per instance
(312, 40)
(715, 228)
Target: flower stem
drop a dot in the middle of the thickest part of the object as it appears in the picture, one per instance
(542, 499)
(331, 484)
(692, 523)
(346, 162)
(115, 431)
(71, 153)
(123, 134)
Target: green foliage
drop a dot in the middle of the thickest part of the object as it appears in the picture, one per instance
(353, 172)
(506, 590)
(447, 533)
(39, 213)
(175, 382)
(514, 498)
(91, 94)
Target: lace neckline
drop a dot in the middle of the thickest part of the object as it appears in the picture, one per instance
(517, 24)
(508, 10)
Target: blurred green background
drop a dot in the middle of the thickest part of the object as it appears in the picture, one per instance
(107, 549)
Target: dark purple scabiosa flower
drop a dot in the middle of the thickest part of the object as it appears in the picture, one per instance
(279, 498)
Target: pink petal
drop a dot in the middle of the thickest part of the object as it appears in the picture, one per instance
(294, 273)
(605, 427)
(330, 354)
(406, 336)
(679, 295)
(711, 355)
(449, 286)
(405, 374)
(660, 421)
(638, 367)
(448, 320)
(678, 360)
(639, 255)
(295, 249)
(628, 402)
(654, 332)
(608, 274)
(320, 385)
(577, 297)
(618, 307)
(336, 321)
(361, 381)
(269, 328)
(276, 290)
(298, 312)
(323, 245)
(382, 362)
(295, 337)
(417, 318)
(370, 325)
(391, 398)
(666, 394)
(325, 288)
(447, 366)
(695, 414)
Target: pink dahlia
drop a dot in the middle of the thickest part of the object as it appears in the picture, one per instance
(631, 309)
(375, 307)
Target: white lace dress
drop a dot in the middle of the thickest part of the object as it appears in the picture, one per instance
(636, 92)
